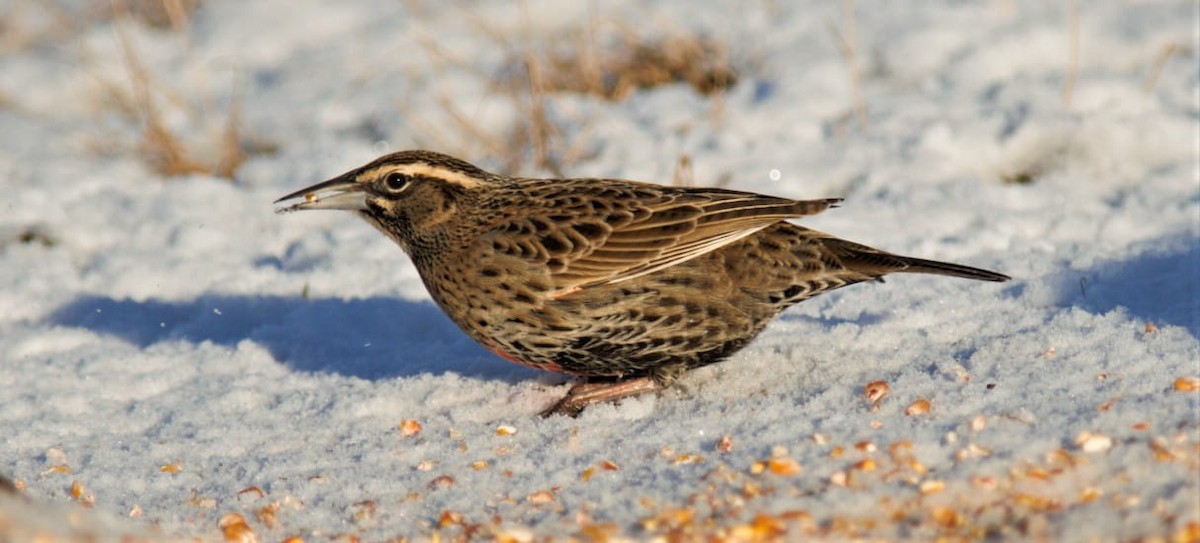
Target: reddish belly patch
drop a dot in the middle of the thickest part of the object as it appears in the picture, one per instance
(547, 366)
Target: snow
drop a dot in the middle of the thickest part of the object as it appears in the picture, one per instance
(182, 353)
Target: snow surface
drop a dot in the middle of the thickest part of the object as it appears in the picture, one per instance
(182, 353)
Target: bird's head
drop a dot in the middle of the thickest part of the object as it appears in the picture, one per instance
(412, 196)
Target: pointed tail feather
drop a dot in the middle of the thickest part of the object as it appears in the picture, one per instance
(874, 263)
(918, 265)
(812, 207)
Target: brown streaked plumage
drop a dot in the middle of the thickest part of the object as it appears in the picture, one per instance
(627, 284)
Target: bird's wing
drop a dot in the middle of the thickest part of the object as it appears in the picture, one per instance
(589, 234)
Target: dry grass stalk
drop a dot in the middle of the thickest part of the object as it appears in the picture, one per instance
(1073, 59)
(575, 63)
(173, 14)
(633, 62)
(684, 177)
(159, 147)
(28, 23)
(178, 12)
(580, 62)
(846, 40)
(1159, 62)
(476, 139)
(540, 131)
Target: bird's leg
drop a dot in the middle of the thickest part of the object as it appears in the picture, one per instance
(588, 393)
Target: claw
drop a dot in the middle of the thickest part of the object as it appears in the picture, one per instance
(585, 394)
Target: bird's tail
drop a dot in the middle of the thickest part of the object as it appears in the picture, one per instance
(875, 263)
(920, 265)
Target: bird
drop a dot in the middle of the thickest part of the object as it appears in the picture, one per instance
(624, 285)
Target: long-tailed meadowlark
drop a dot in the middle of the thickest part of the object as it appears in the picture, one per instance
(623, 283)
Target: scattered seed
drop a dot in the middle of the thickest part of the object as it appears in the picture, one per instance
(864, 465)
(364, 510)
(931, 486)
(409, 427)
(541, 497)
(1060, 457)
(762, 528)
(876, 391)
(946, 517)
(1191, 532)
(783, 466)
(56, 455)
(449, 518)
(984, 482)
(234, 528)
(1162, 452)
(1187, 384)
(1093, 442)
(79, 493)
(919, 407)
(266, 514)
(972, 450)
(442, 481)
(203, 502)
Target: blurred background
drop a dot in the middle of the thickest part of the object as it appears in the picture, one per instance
(172, 353)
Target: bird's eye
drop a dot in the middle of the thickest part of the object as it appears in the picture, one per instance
(396, 181)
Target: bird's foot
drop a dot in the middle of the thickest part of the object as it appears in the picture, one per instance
(585, 394)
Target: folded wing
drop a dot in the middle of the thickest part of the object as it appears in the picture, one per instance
(589, 236)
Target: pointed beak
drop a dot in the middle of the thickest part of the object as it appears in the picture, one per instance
(337, 193)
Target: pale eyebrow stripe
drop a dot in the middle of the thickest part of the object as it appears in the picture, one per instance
(425, 170)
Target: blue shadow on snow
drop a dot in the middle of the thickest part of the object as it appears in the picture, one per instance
(376, 338)
(1159, 285)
